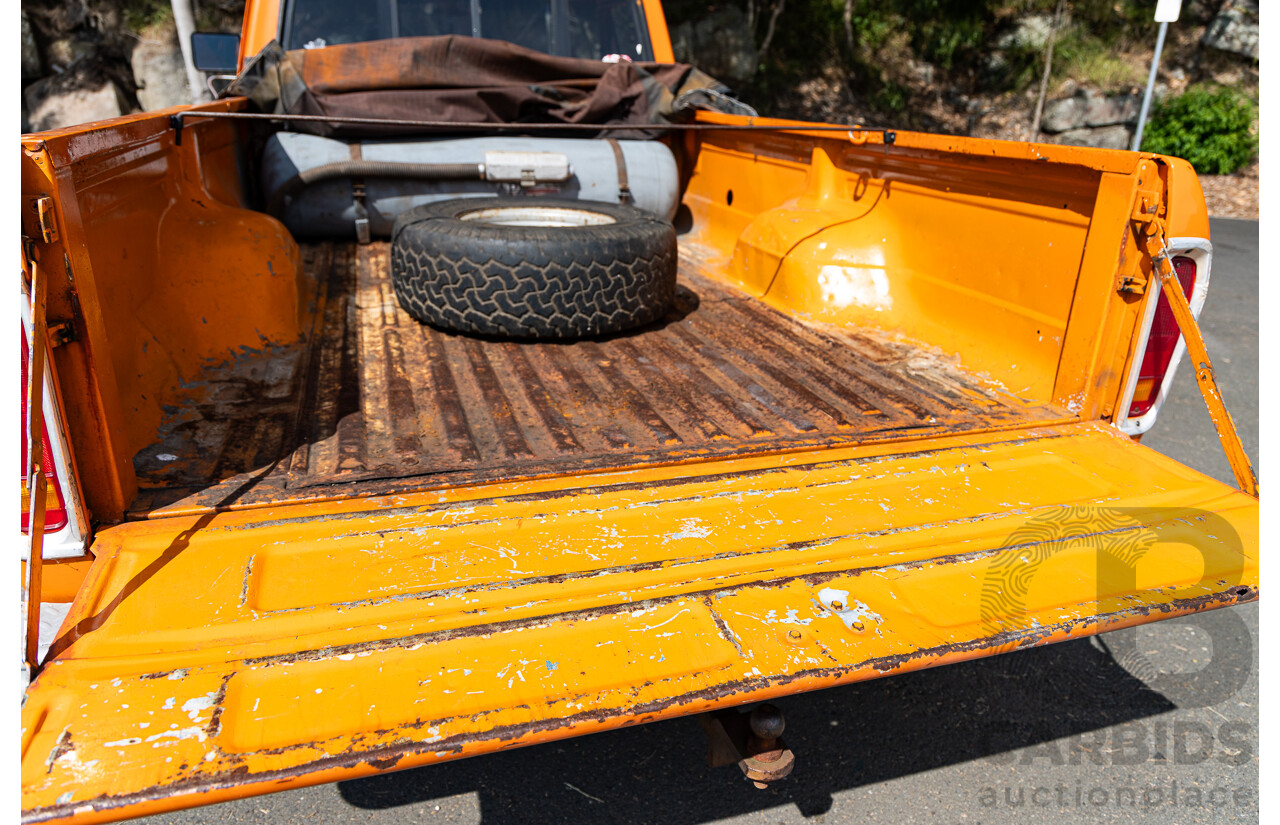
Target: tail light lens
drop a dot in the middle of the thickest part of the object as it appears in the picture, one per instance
(1162, 342)
(55, 513)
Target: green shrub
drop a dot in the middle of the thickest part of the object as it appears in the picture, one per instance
(140, 14)
(1213, 129)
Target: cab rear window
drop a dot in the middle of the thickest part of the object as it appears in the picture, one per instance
(588, 29)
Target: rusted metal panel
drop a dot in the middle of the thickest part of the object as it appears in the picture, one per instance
(385, 403)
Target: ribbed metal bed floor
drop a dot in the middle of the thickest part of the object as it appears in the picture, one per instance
(376, 402)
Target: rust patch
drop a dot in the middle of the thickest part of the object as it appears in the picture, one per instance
(61, 747)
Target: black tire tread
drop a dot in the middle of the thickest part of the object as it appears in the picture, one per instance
(533, 282)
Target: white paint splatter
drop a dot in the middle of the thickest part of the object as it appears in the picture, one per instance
(192, 707)
(690, 528)
(120, 743)
(196, 732)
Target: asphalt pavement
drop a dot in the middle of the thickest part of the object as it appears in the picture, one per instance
(1153, 724)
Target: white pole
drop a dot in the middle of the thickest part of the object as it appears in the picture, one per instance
(185, 20)
(1167, 12)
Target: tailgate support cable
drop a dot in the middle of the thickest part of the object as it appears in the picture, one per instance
(37, 484)
(1246, 479)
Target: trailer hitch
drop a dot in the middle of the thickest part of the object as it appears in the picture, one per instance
(752, 740)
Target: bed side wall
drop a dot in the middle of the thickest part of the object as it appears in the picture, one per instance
(979, 256)
(179, 275)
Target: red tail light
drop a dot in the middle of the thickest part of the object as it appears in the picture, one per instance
(1162, 342)
(55, 513)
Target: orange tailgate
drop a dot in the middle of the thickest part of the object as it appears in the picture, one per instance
(219, 656)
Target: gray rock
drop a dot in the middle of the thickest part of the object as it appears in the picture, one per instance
(921, 72)
(68, 99)
(1031, 32)
(1234, 28)
(1110, 110)
(1107, 137)
(65, 51)
(31, 67)
(158, 69)
(1064, 114)
(1089, 108)
(720, 44)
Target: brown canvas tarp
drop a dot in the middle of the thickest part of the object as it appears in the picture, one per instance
(465, 79)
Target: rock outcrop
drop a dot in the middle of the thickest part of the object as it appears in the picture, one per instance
(1234, 28)
(1090, 118)
(158, 68)
(79, 95)
(721, 44)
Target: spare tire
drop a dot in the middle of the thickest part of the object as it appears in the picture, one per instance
(533, 267)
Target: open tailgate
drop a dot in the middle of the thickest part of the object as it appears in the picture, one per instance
(216, 656)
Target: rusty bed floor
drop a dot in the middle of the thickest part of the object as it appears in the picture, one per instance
(375, 402)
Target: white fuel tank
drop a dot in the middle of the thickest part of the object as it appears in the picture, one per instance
(327, 209)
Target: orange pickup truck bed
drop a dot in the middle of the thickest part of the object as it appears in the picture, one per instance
(378, 402)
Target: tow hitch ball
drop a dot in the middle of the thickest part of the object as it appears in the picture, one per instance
(751, 740)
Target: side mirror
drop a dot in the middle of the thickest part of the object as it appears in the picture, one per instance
(215, 52)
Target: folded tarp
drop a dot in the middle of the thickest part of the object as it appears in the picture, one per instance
(470, 80)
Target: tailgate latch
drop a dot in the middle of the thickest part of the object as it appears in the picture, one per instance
(1145, 214)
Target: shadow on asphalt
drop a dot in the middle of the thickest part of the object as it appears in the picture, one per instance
(843, 738)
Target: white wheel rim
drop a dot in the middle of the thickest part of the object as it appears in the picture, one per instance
(535, 215)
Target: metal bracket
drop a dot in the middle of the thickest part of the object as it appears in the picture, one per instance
(362, 212)
(624, 185)
(46, 219)
(1146, 205)
(359, 198)
(63, 332)
(1144, 214)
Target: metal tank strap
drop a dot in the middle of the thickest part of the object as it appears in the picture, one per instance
(624, 187)
(358, 196)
